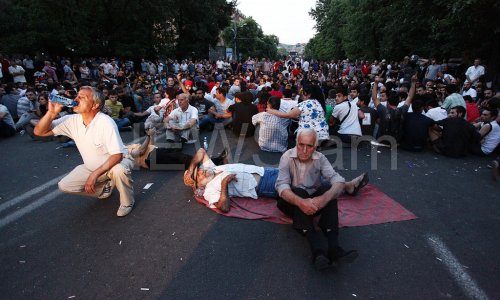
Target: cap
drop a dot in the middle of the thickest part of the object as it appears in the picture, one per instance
(188, 82)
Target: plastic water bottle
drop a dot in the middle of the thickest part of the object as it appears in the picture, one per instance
(63, 100)
(205, 144)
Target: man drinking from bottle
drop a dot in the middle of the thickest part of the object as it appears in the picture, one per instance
(105, 160)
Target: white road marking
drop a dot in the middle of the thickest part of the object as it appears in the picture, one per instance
(468, 285)
(29, 194)
(29, 208)
(43, 200)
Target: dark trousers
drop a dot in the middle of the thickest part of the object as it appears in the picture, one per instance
(172, 157)
(6, 130)
(328, 222)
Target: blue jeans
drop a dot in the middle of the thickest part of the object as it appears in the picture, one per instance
(120, 123)
(209, 119)
(266, 184)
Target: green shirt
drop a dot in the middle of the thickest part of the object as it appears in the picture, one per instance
(115, 108)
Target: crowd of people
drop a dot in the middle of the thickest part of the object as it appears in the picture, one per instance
(344, 98)
(415, 104)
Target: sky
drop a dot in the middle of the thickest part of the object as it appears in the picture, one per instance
(289, 20)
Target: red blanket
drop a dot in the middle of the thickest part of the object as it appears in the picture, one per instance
(370, 206)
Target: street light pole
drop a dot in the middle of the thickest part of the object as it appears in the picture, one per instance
(235, 33)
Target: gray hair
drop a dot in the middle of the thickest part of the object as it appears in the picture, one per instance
(308, 131)
(97, 95)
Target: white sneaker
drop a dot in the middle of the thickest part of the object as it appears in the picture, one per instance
(107, 190)
(124, 210)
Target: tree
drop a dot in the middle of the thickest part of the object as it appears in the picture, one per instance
(113, 27)
(376, 29)
(250, 40)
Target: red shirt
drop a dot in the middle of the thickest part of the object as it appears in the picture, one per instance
(472, 112)
(365, 69)
(276, 66)
(210, 86)
(296, 72)
(276, 94)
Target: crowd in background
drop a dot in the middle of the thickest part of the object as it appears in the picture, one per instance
(343, 98)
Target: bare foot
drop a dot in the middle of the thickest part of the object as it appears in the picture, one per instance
(357, 183)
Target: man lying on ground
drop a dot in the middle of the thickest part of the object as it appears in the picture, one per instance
(217, 184)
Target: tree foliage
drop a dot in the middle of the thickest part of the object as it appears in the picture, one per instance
(395, 28)
(250, 39)
(113, 27)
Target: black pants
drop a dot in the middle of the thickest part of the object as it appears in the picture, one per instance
(172, 157)
(328, 222)
(6, 130)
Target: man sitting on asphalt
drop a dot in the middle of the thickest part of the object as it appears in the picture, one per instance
(489, 133)
(272, 130)
(154, 113)
(180, 122)
(7, 126)
(453, 136)
(308, 186)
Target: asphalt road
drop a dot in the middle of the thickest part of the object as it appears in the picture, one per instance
(57, 246)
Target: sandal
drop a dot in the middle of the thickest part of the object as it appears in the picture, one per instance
(362, 183)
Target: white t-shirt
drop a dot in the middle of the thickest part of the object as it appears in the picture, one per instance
(437, 113)
(180, 118)
(28, 63)
(151, 109)
(106, 67)
(351, 123)
(474, 72)
(96, 142)
(492, 139)
(17, 69)
(305, 66)
(287, 105)
(244, 185)
(471, 92)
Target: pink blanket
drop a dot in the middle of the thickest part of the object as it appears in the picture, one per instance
(370, 206)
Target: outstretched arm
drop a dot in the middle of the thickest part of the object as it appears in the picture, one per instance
(411, 93)
(200, 157)
(294, 113)
(375, 99)
(183, 87)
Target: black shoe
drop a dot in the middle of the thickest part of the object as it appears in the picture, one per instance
(224, 154)
(170, 141)
(320, 261)
(342, 256)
